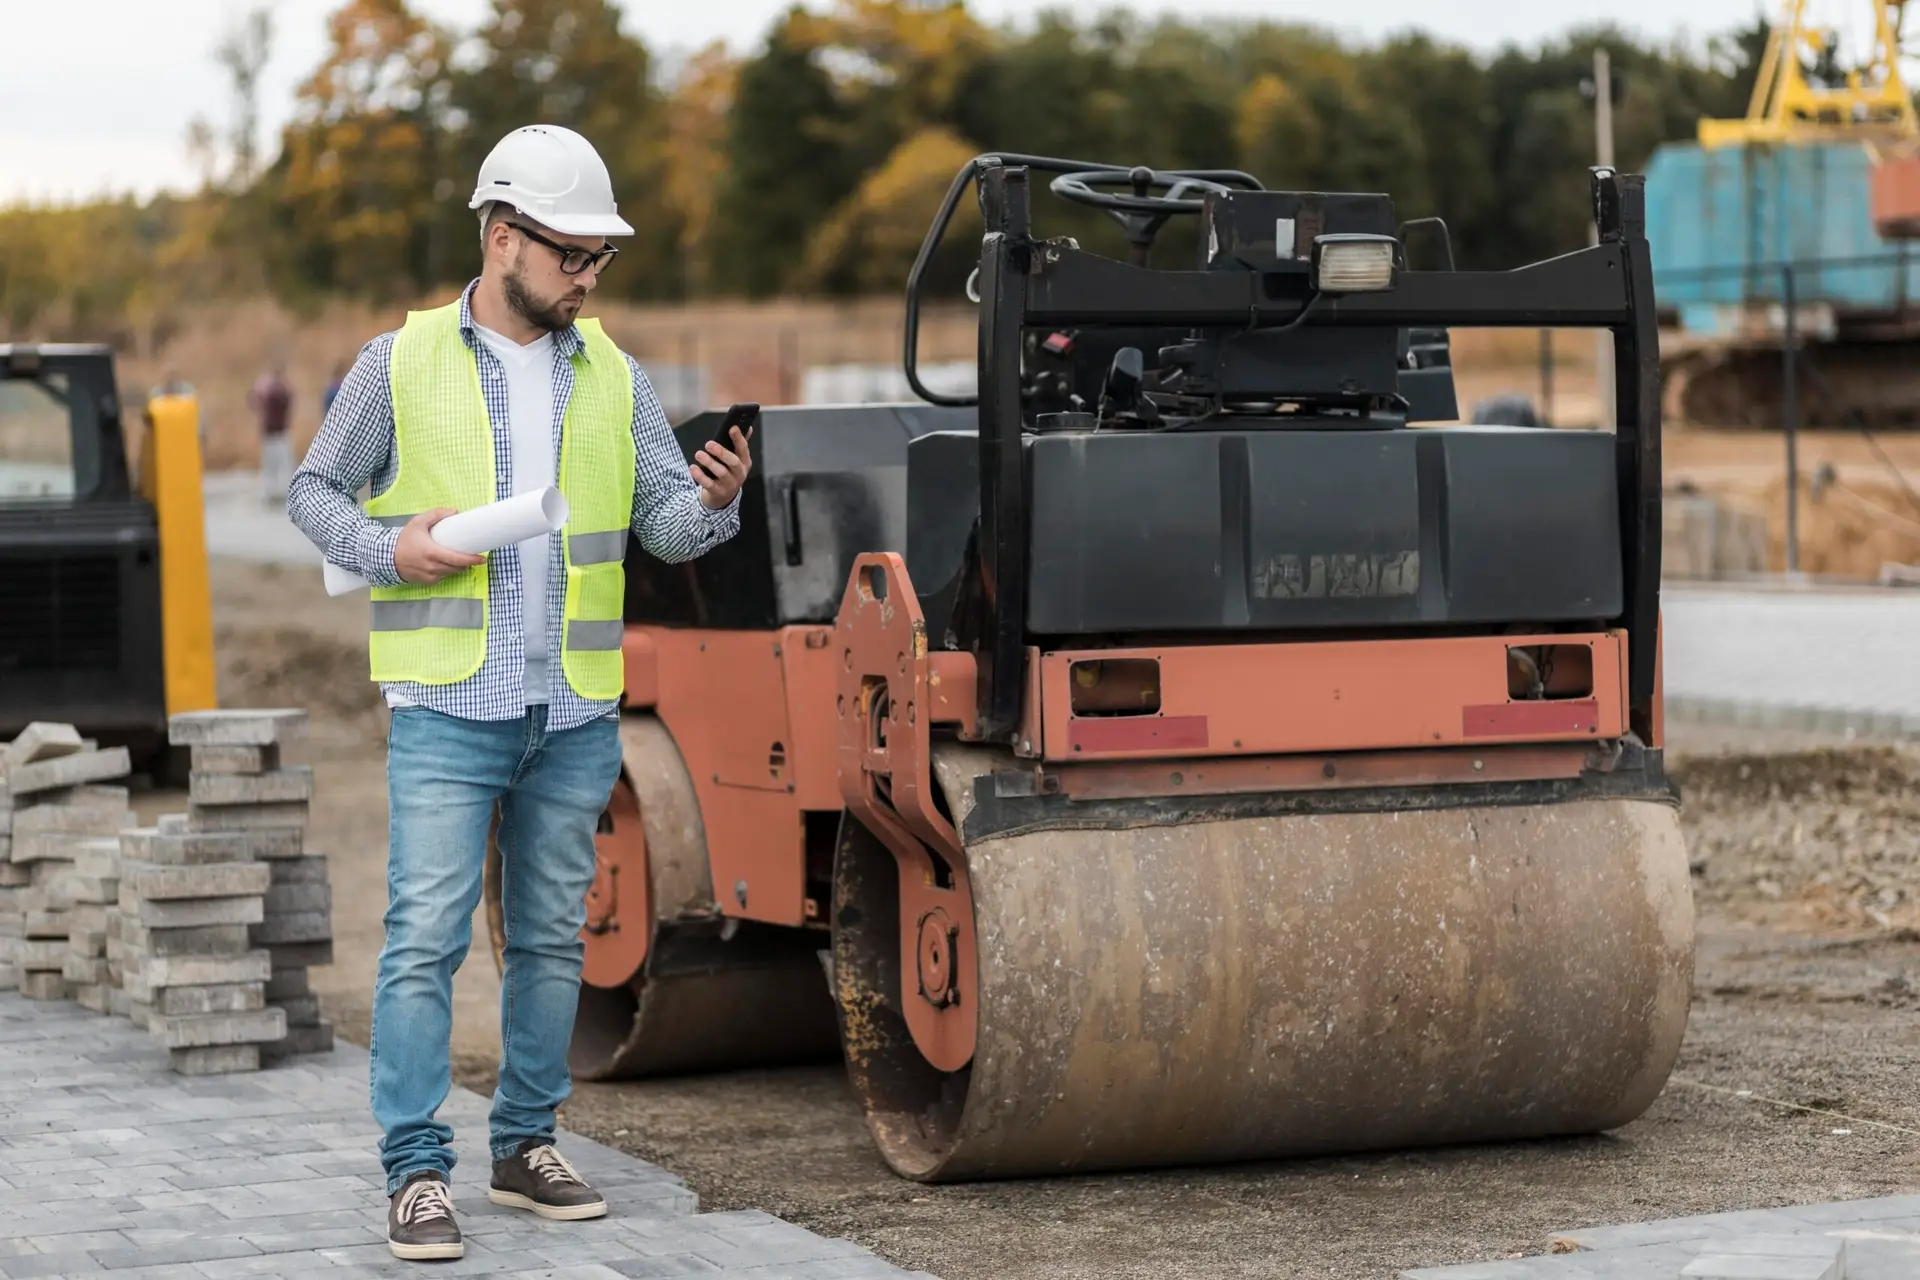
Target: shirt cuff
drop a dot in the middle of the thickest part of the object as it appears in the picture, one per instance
(376, 547)
(725, 521)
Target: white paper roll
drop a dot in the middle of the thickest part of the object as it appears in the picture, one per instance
(476, 532)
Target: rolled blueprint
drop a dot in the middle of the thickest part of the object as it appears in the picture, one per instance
(476, 532)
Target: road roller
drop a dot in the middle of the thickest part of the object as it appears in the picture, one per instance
(1196, 744)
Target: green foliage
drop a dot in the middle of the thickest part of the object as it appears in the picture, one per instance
(816, 163)
(566, 62)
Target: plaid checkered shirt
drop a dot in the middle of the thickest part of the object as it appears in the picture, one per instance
(355, 447)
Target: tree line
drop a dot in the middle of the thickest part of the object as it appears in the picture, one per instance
(813, 163)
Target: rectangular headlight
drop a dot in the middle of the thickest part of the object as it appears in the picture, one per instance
(1353, 263)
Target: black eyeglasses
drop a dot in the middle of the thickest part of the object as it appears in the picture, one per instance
(572, 261)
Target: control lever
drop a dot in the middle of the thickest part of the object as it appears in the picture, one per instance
(1124, 390)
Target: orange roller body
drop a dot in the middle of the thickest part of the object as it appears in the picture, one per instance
(1164, 753)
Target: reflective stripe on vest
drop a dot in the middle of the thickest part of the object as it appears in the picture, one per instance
(594, 635)
(597, 548)
(444, 457)
(412, 615)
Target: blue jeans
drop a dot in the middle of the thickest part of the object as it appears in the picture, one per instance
(444, 776)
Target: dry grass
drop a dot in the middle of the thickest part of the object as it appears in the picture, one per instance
(751, 351)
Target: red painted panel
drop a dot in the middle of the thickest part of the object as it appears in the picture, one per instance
(1503, 719)
(1094, 735)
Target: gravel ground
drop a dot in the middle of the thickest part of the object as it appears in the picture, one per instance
(1805, 995)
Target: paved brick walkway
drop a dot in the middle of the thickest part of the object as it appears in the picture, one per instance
(1828, 660)
(1873, 1239)
(109, 1162)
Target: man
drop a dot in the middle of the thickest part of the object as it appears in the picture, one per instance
(502, 671)
(272, 399)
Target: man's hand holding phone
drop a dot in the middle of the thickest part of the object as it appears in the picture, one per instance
(721, 466)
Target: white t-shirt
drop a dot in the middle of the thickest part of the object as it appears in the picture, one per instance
(530, 426)
(529, 371)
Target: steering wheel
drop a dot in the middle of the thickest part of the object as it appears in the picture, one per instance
(1140, 214)
(1079, 188)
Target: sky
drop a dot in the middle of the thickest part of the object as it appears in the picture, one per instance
(96, 97)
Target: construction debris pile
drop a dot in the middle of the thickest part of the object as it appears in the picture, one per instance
(200, 928)
(61, 813)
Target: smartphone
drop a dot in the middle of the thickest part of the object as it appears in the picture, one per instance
(740, 415)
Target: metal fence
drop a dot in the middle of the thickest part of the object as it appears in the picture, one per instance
(1793, 279)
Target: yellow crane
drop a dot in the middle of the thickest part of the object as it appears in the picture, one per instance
(1786, 107)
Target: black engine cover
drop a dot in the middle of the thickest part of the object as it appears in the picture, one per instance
(1293, 529)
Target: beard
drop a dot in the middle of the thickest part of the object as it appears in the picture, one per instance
(551, 316)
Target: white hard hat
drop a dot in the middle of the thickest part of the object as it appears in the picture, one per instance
(554, 176)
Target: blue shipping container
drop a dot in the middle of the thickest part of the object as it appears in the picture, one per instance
(1722, 222)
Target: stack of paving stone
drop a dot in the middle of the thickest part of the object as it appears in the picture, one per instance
(241, 788)
(189, 974)
(60, 824)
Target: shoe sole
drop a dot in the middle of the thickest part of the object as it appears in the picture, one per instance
(555, 1212)
(427, 1252)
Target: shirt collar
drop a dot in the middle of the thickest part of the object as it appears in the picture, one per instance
(567, 341)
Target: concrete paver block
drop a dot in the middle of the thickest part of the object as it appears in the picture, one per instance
(247, 817)
(293, 927)
(203, 940)
(84, 972)
(237, 728)
(308, 868)
(285, 984)
(42, 985)
(281, 786)
(88, 820)
(302, 955)
(286, 899)
(88, 795)
(192, 913)
(301, 1011)
(99, 891)
(214, 1060)
(204, 880)
(225, 997)
(234, 759)
(209, 1030)
(68, 771)
(152, 845)
(195, 971)
(12, 874)
(176, 846)
(45, 925)
(317, 1038)
(40, 740)
(97, 857)
(41, 955)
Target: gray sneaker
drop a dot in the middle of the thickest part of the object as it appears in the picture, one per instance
(538, 1177)
(420, 1221)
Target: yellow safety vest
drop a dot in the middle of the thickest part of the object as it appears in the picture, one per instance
(443, 440)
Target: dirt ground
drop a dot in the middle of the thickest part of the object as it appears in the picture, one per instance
(1795, 1084)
